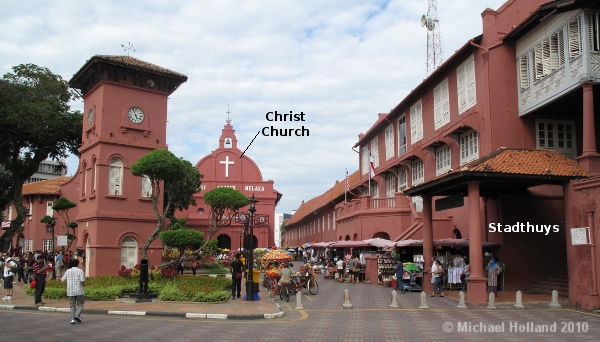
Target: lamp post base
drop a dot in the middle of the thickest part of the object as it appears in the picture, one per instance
(256, 297)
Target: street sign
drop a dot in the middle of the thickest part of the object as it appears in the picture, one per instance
(61, 240)
(580, 236)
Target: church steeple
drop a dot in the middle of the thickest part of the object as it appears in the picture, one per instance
(228, 139)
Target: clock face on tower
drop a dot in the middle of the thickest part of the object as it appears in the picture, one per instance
(90, 116)
(135, 115)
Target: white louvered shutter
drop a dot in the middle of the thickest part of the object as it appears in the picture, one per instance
(574, 35)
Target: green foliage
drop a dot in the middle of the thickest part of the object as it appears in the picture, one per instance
(71, 236)
(46, 219)
(218, 270)
(36, 124)
(179, 178)
(216, 296)
(63, 204)
(226, 198)
(171, 293)
(182, 238)
(175, 223)
(102, 293)
(183, 189)
(159, 165)
(183, 288)
(209, 264)
(73, 225)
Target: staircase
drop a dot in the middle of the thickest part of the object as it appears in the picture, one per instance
(555, 280)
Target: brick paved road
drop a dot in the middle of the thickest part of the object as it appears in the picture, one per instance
(322, 319)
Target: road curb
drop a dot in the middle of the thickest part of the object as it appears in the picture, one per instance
(191, 315)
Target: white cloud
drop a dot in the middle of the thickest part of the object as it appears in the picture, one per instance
(340, 62)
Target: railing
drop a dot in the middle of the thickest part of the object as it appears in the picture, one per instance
(382, 202)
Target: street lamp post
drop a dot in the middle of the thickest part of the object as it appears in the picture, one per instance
(249, 220)
(50, 229)
(250, 282)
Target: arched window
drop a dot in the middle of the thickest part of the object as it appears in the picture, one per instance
(146, 187)
(129, 252)
(94, 172)
(115, 179)
(85, 178)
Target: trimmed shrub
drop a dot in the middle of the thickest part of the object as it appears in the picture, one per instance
(216, 296)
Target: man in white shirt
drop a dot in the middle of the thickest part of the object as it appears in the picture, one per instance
(10, 267)
(433, 269)
(75, 281)
(340, 269)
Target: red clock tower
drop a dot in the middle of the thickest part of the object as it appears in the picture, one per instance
(125, 114)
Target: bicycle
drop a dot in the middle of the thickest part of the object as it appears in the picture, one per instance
(312, 286)
(285, 291)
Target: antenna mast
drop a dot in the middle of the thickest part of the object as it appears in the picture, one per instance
(435, 51)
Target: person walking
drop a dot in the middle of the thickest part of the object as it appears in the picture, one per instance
(39, 274)
(352, 270)
(493, 270)
(340, 269)
(437, 284)
(29, 264)
(58, 262)
(10, 267)
(21, 269)
(194, 266)
(75, 281)
(399, 275)
(236, 276)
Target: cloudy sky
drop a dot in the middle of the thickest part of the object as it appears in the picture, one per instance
(339, 62)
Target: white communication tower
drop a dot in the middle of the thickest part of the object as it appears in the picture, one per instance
(435, 50)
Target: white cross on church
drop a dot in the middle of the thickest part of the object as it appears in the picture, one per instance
(227, 163)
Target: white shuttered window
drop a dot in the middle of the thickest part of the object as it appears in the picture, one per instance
(402, 136)
(146, 187)
(465, 79)
(375, 151)
(441, 105)
(365, 160)
(390, 185)
(115, 179)
(129, 252)
(389, 142)
(416, 122)
(469, 147)
(418, 174)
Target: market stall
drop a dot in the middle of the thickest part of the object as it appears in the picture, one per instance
(271, 261)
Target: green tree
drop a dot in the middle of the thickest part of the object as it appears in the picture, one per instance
(224, 204)
(62, 207)
(180, 180)
(182, 238)
(36, 124)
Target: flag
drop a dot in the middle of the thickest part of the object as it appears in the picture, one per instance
(347, 181)
(372, 165)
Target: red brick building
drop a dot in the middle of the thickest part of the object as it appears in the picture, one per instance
(125, 116)
(508, 124)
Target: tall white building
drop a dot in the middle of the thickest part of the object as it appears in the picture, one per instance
(279, 219)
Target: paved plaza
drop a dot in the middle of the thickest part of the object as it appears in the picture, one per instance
(321, 319)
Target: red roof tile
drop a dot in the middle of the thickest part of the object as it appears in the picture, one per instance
(522, 162)
(131, 62)
(45, 187)
(324, 199)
